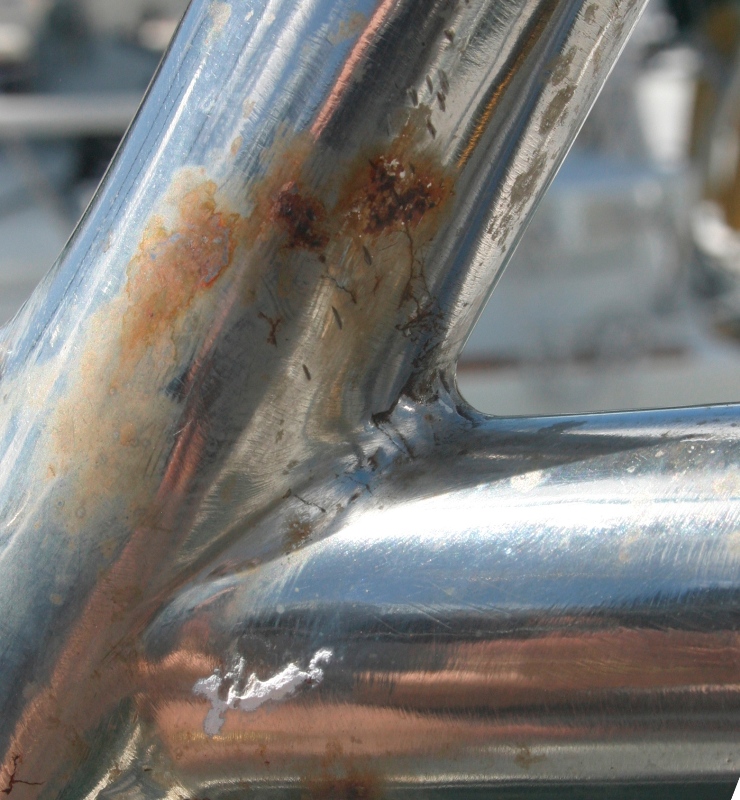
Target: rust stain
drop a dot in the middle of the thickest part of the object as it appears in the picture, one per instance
(114, 438)
(236, 145)
(526, 182)
(562, 66)
(556, 108)
(297, 534)
(340, 778)
(173, 265)
(524, 757)
(127, 436)
(354, 785)
(348, 28)
(302, 216)
(262, 754)
(395, 194)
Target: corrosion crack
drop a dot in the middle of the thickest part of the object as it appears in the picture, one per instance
(13, 780)
(341, 287)
(274, 324)
(309, 503)
(383, 419)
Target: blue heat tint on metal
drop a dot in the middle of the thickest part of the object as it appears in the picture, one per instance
(251, 537)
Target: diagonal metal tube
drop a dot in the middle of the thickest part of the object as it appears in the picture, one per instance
(250, 534)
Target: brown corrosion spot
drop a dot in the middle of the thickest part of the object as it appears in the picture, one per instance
(527, 181)
(524, 757)
(262, 754)
(355, 785)
(302, 216)
(589, 15)
(297, 534)
(562, 66)
(340, 778)
(556, 108)
(172, 266)
(127, 435)
(395, 196)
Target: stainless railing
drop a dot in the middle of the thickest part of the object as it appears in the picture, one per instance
(252, 538)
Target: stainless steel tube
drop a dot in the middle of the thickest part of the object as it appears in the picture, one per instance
(252, 539)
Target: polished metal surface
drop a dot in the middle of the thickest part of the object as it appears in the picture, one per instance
(252, 539)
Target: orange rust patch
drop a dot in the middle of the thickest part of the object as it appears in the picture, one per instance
(127, 437)
(172, 266)
(302, 216)
(236, 145)
(394, 195)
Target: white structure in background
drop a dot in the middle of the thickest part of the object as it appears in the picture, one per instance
(593, 312)
(19, 22)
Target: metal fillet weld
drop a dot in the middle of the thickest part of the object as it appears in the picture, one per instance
(256, 692)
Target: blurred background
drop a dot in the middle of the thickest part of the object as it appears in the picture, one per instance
(625, 290)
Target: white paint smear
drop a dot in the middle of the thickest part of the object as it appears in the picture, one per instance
(256, 692)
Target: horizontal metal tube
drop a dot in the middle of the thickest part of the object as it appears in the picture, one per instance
(561, 604)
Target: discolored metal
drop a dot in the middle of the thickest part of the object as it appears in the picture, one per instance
(252, 539)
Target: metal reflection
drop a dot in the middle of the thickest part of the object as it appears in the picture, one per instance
(252, 539)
